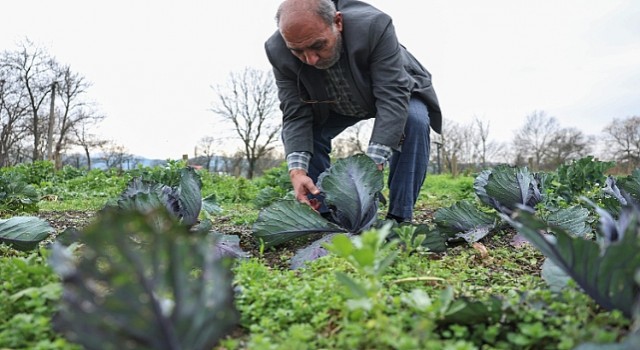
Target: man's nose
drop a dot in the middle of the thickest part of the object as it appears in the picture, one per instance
(311, 58)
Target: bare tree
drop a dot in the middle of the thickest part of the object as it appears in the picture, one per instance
(622, 140)
(457, 145)
(76, 160)
(36, 73)
(485, 150)
(567, 144)
(532, 140)
(87, 140)
(249, 102)
(115, 156)
(233, 164)
(205, 149)
(13, 111)
(273, 159)
(74, 113)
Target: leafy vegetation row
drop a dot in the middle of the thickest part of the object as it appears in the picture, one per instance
(154, 277)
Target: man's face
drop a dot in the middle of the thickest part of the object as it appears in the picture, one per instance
(311, 40)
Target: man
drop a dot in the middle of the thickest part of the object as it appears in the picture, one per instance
(335, 65)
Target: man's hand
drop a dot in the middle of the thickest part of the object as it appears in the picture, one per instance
(381, 166)
(303, 186)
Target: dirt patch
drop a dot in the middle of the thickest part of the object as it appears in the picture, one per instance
(78, 219)
(61, 220)
(275, 257)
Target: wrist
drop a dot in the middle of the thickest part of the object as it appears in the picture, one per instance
(297, 172)
(379, 153)
(298, 160)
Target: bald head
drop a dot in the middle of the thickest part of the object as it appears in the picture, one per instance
(323, 9)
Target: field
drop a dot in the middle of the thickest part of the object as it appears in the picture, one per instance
(443, 282)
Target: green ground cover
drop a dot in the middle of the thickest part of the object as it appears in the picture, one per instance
(420, 301)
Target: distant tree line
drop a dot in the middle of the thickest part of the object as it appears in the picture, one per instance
(540, 144)
(45, 113)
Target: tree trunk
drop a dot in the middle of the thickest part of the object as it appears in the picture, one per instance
(86, 152)
(454, 166)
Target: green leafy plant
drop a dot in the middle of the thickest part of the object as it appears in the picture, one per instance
(69, 172)
(210, 205)
(464, 220)
(350, 187)
(440, 190)
(274, 184)
(142, 281)
(504, 188)
(631, 183)
(605, 269)
(36, 172)
(411, 241)
(307, 308)
(420, 238)
(574, 220)
(370, 255)
(229, 189)
(24, 232)
(168, 174)
(16, 195)
(183, 200)
(29, 293)
(631, 341)
(580, 176)
(96, 183)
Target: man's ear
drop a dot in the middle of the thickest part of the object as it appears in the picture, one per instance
(338, 20)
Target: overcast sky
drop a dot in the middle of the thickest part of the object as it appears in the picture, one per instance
(152, 63)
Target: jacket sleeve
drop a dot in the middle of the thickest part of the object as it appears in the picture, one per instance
(391, 85)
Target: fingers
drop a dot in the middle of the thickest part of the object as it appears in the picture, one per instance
(302, 198)
(311, 187)
(303, 191)
(303, 186)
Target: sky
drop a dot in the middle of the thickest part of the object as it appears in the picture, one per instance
(153, 63)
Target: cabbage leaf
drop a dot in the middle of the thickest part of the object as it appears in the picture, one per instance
(604, 271)
(350, 188)
(464, 220)
(24, 232)
(135, 284)
(504, 188)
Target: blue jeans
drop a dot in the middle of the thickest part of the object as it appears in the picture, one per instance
(407, 169)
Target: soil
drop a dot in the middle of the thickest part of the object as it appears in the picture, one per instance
(277, 258)
(61, 220)
(78, 219)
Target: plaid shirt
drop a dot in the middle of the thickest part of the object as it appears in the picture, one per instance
(338, 89)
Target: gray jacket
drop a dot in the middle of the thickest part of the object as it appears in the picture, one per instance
(383, 77)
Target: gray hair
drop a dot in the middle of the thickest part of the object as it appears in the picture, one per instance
(325, 9)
